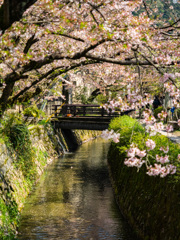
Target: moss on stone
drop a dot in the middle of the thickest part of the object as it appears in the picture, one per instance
(15, 183)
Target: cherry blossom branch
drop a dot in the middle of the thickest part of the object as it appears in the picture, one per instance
(117, 61)
(171, 35)
(68, 36)
(145, 6)
(52, 74)
(96, 8)
(29, 43)
(170, 25)
(157, 68)
(33, 64)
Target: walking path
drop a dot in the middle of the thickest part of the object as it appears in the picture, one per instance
(174, 136)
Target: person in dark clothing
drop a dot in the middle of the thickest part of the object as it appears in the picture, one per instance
(156, 102)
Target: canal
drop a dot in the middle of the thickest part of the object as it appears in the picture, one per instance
(74, 200)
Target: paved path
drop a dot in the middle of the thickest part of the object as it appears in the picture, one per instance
(175, 136)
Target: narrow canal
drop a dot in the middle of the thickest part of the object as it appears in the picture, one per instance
(74, 200)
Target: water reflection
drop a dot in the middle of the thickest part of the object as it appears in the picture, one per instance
(74, 200)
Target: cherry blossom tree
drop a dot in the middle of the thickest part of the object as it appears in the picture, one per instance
(54, 37)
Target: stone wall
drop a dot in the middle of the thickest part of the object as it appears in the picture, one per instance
(14, 187)
(150, 204)
(87, 135)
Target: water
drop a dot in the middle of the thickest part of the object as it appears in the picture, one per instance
(74, 200)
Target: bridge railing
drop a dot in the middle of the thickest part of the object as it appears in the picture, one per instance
(82, 110)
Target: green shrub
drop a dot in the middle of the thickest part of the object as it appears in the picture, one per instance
(101, 99)
(133, 132)
(125, 124)
(157, 110)
(33, 111)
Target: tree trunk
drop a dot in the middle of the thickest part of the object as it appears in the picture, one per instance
(12, 10)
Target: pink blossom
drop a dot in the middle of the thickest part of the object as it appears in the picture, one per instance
(169, 128)
(178, 122)
(116, 137)
(165, 150)
(150, 144)
(134, 151)
(162, 115)
(159, 126)
(140, 153)
(134, 162)
(160, 170)
(106, 134)
(131, 152)
(161, 159)
(156, 170)
(153, 129)
(171, 168)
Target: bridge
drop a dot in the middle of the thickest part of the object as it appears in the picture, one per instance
(82, 116)
(67, 117)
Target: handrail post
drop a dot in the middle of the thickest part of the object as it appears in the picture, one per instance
(84, 110)
(102, 112)
(55, 110)
(75, 110)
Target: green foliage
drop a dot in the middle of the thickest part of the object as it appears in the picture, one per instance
(42, 156)
(20, 140)
(162, 10)
(174, 149)
(125, 124)
(14, 132)
(132, 132)
(145, 201)
(81, 95)
(6, 123)
(16, 136)
(33, 111)
(43, 122)
(9, 217)
(101, 99)
(157, 110)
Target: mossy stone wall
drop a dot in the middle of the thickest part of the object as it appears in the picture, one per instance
(151, 204)
(86, 135)
(14, 186)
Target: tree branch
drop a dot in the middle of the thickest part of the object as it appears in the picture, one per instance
(117, 61)
(157, 68)
(169, 26)
(52, 74)
(29, 43)
(68, 36)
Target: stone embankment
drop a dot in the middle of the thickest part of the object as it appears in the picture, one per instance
(14, 184)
